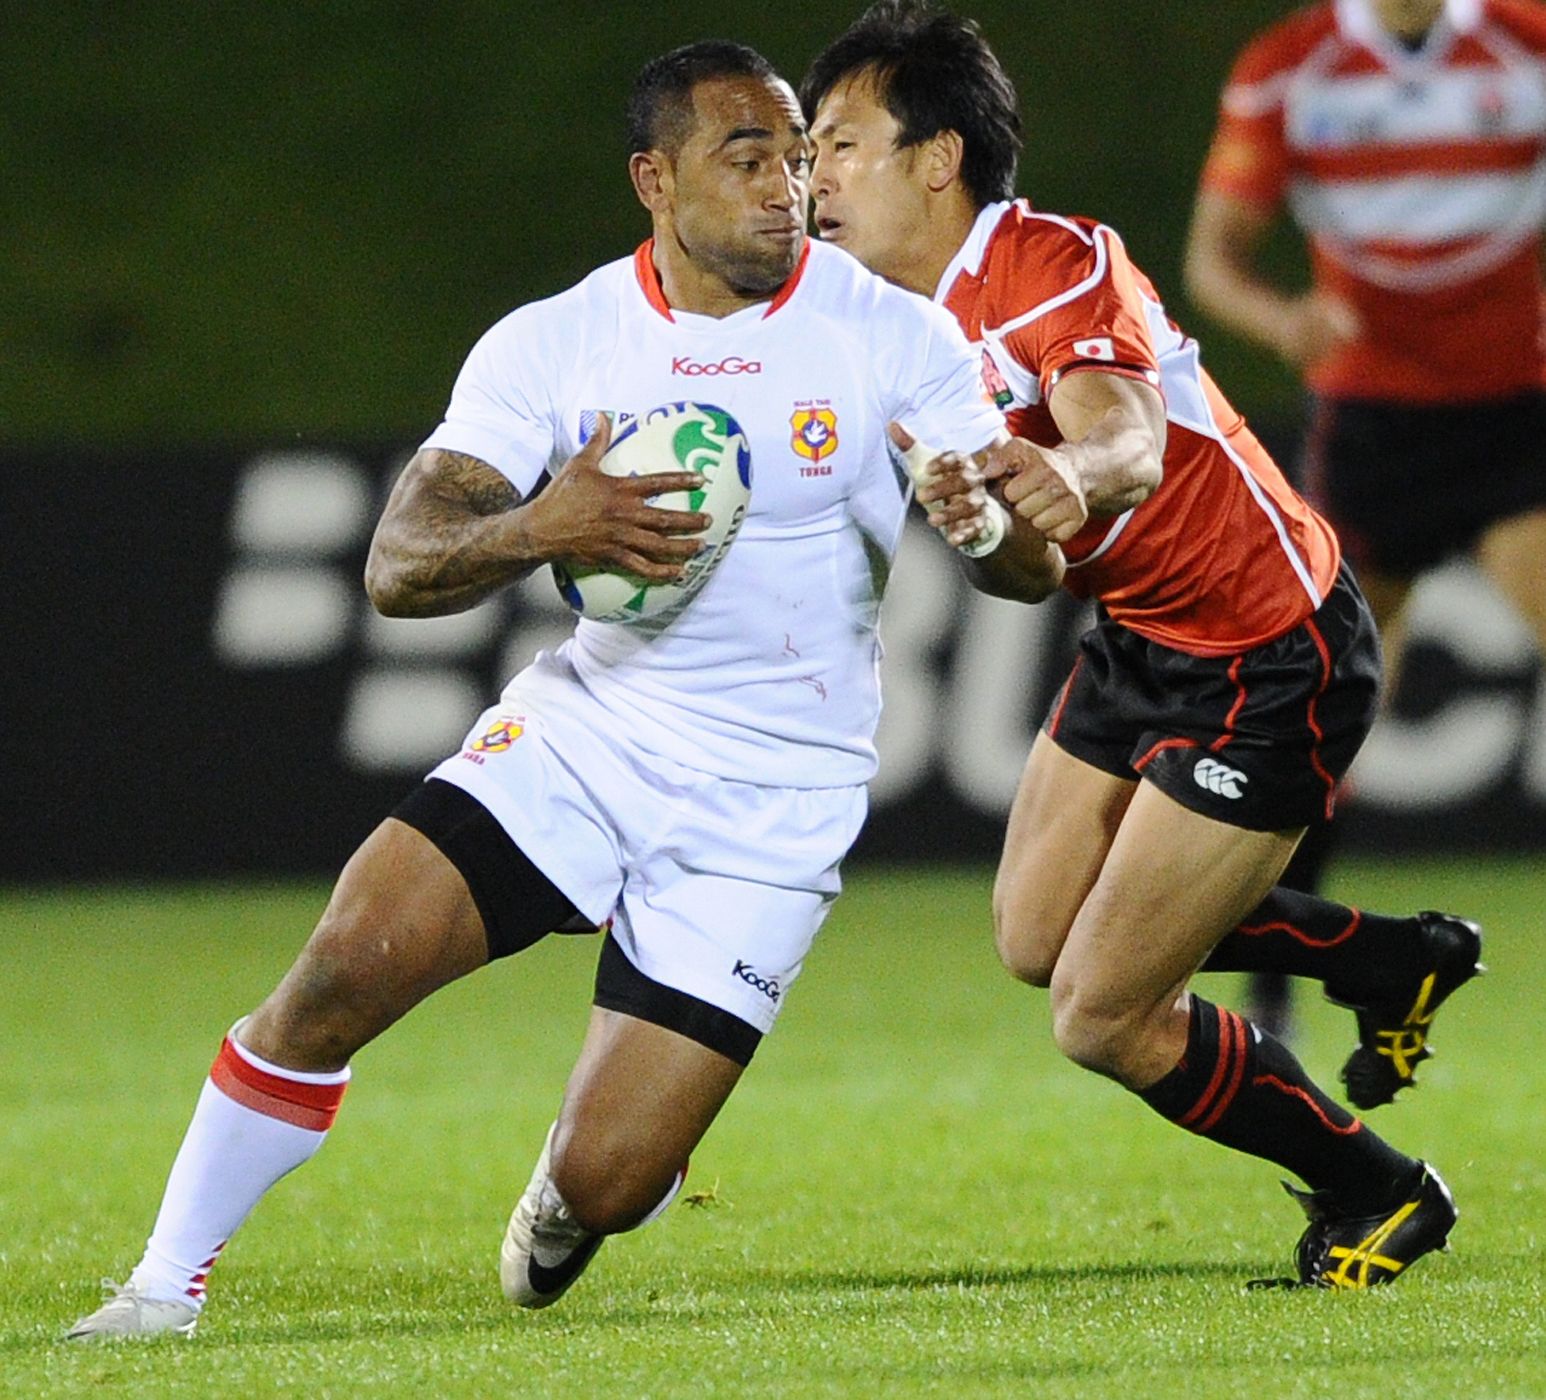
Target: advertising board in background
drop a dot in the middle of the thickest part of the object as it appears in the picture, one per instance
(199, 686)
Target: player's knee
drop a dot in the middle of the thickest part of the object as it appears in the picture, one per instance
(1026, 962)
(605, 1192)
(1024, 948)
(1093, 1035)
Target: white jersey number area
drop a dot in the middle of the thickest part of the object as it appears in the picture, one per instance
(770, 674)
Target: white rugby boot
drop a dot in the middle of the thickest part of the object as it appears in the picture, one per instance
(545, 1249)
(129, 1313)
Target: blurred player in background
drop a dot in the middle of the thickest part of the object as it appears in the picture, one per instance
(695, 785)
(1408, 140)
(1227, 684)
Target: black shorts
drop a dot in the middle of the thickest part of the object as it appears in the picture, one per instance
(1407, 486)
(1259, 740)
(520, 906)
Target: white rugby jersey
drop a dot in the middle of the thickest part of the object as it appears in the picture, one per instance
(769, 675)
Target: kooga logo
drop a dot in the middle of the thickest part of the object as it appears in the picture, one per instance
(731, 364)
(768, 986)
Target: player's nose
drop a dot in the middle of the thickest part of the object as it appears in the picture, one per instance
(789, 192)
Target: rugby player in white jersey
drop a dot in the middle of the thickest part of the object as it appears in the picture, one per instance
(697, 784)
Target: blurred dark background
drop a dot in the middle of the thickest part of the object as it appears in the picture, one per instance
(235, 222)
(245, 250)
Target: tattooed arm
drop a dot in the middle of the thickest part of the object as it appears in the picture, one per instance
(450, 535)
(455, 531)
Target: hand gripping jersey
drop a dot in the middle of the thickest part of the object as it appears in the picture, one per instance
(1224, 555)
(1419, 179)
(770, 674)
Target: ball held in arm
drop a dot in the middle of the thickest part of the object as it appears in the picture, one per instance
(675, 437)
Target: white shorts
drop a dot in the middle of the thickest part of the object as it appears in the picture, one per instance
(715, 888)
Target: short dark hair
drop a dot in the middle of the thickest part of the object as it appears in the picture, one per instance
(660, 105)
(935, 72)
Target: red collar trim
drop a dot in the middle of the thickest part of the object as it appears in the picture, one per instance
(649, 279)
(787, 290)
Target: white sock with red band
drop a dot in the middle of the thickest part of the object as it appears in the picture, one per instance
(254, 1123)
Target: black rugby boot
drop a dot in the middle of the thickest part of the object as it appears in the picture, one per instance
(1339, 1250)
(1393, 1032)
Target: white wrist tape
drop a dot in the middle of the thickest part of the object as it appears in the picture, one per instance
(996, 518)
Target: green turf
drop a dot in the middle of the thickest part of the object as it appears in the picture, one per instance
(914, 1194)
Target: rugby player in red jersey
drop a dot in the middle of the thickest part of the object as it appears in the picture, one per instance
(1227, 684)
(1421, 336)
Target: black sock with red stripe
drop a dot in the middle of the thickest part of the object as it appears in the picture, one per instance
(1241, 1087)
(1305, 935)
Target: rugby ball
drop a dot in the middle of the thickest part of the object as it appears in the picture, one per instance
(675, 437)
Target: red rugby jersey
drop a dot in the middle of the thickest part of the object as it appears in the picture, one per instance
(1225, 555)
(1419, 180)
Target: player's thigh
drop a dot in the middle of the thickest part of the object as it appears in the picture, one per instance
(399, 924)
(727, 885)
(1242, 754)
(693, 973)
(1512, 553)
(1065, 816)
(639, 1100)
(1173, 882)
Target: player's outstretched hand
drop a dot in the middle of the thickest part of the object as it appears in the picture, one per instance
(950, 487)
(588, 518)
(1041, 487)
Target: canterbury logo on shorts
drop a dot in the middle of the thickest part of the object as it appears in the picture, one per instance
(1214, 776)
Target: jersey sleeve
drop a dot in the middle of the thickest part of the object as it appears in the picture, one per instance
(501, 409)
(943, 401)
(1249, 155)
(1088, 310)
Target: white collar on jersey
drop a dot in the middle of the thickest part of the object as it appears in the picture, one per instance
(969, 255)
(1357, 20)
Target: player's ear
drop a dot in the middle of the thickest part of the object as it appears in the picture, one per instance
(651, 174)
(942, 157)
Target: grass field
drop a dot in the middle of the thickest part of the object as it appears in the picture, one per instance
(911, 1193)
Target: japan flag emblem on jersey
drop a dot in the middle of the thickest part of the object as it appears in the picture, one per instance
(1099, 348)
